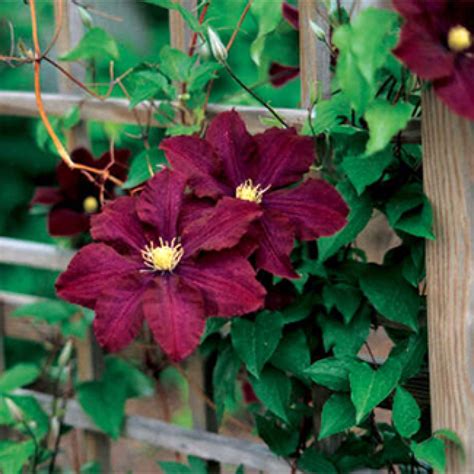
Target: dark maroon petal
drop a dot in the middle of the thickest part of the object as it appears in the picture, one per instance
(69, 181)
(457, 91)
(276, 239)
(64, 222)
(92, 270)
(413, 8)
(175, 313)
(315, 208)
(118, 312)
(234, 145)
(291, 15)
(281, 74)
(160, 203)
(195, 159)
(283, 157)
(119, 168)
(227, 282)
(221, 227)
(248, 393)
(46, 196)
(423, 52)
(119, 226)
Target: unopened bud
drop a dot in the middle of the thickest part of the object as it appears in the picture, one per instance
(54, 427)
(218, 49)
(65, 355)
(14, 410)
(184, 96)
(317, 30)
(86, 17)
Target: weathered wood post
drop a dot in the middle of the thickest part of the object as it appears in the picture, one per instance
(448, 160)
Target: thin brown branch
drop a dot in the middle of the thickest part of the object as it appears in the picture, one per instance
(59, 11)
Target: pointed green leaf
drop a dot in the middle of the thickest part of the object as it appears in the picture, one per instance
(338, 415)
(431, 451)
(405, 413)
(95, 44)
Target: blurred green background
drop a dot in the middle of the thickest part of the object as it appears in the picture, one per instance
(26, 160)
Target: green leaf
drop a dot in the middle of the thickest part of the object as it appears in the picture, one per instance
(405, 413)
(14, 455)
(281, 440)
(197, 465)
(256, 341)
(410, 354)
(72, 117)
(327, 114)
(170, 467)
(268, 16)
(431, 451)
(385, 121)
(91, 467)
(140, 168)
(370, 387)
(338, 415)
(223, 378)
(345, 339)
(391, 295)
(201, 74)
(292, 354)
(187, 15)
(175, 64)
(360, 213)
(331, 372)
(273, 389)
(105, 404)
(365, 170)
(447, 434)
(18, 376)
(146, 85)
(299, 310)
(344, 297)
(315, 462)
(95, 44)
(49, 311)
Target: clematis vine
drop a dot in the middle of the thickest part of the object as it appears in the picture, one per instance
(77, 197)
(437, 44)
(265, 170)
(166, 259)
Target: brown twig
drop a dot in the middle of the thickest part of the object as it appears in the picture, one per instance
(195, 34)
(58, 9)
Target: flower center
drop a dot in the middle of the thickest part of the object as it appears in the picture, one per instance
(164, 257)
(247, 191)
(459, 39)
(90, 204)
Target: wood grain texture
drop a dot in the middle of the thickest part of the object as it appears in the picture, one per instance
(200, 443)
(314, 54)
(448, 143)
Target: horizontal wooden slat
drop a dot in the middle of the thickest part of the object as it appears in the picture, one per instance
(33, 254)
(117, 110)
(224, 449)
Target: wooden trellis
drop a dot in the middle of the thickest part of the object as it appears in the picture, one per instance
(449, 174)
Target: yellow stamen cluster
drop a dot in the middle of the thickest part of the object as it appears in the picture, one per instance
(247, 191)
(164, 257)
(90, 204)
(459, 39)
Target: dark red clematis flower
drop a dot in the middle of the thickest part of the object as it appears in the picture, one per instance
(165, 260)
(437, 44)
(262, 170)
(77, 197)
(291, 15)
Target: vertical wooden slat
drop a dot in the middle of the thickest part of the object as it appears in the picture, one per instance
(448, 149)
(314, 54)
(89, 357)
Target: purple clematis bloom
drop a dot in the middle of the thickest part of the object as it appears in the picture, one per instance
(77, 197)
(437, 44)
(163, 259)
(261, 169)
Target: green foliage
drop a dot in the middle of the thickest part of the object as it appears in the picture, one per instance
(94, 45)
(18, 376)
(196, 466)
(431, 451)
(338, 415)
(13, 455)
(405, 413)
(104, 400)
(145, 163)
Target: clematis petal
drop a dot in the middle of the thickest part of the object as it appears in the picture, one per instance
(276, 239)
(234, 145)
(227, 282)
(291, 15)
(160, 203)
(220, 227)
(283, 157)
(118, 312)
(281, 74)
(92, 270)
(64, 222)
(175, 313)
(119, 168)
(315, 208)
(456, 91)
(422, 51)
(70, 180)
(195, 159)
(46, 196)
(118, 225)
(419, 7)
